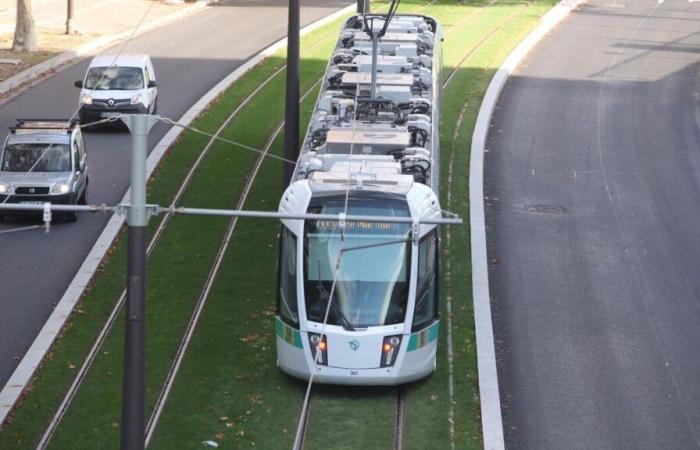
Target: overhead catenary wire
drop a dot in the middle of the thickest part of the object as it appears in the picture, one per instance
(172, 209)
(301, 427)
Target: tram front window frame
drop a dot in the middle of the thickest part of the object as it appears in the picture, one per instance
(287, 303)
(427, 287)
(373, 281)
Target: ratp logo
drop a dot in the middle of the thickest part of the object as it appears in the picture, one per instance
(354, 345)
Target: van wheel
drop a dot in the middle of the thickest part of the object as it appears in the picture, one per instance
(155, 107)
(2, 218)
(83, 198)
(71, 216)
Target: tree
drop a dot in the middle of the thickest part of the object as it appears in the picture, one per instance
(25, 31)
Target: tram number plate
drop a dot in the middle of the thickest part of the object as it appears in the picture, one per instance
(354, 372)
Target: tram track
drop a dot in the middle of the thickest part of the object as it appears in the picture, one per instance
(399, 441)
(112, 318)
(162, 398)
(211, 277)
(166, 220)
(400, 409)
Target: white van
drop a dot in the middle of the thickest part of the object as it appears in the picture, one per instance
(118, 84)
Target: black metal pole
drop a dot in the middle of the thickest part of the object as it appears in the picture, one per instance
(69, 17)
(291, 124)
(134, 389)
(363, 6)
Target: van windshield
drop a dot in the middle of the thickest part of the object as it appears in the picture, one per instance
(36, 157)
(114, 78)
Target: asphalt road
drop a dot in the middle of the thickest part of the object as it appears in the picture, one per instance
(593, 193)
(190, 57)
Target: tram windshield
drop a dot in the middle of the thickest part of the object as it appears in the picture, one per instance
(372, 278)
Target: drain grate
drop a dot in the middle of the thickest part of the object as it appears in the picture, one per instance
(544, 209)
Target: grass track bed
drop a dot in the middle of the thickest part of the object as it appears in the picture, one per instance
(229, 389)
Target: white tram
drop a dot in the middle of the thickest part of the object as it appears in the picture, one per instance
(366, 155)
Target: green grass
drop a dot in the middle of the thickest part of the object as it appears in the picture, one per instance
(428, 401)
(179, 267)
(229, 389)
(24, 427)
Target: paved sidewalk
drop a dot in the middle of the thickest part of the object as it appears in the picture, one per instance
(91, 19)
(97, 17)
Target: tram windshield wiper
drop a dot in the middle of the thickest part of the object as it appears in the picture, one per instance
(325, 295)
(341, 317)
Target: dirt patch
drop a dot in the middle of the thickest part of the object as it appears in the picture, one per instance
(51, 43)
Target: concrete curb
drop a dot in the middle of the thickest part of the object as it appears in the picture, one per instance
(491, 420)
(32, 359)
(88, 48)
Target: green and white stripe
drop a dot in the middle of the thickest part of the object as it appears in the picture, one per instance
(424, 337)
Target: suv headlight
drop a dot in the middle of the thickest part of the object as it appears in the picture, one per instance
(136, 99)
(4, 188)
(60, 188)
(85, 99)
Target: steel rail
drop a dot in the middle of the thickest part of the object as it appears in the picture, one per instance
(400, 406)
(169, 213)
(80, 376)
(400, 412)
(211, 277)
(448, 236)
(482, 41)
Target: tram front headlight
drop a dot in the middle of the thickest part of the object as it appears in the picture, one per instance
(390, 349)
(319, 343)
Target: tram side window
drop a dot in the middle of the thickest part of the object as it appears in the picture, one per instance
(426, 298)
(287, 296)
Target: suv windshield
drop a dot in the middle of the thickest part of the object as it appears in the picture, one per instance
(372, 279)
(36, 157)
(114, 78)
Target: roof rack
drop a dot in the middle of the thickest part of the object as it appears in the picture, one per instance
(45, 124)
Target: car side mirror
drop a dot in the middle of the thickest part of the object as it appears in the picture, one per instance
(78, 84)
(81, 166)
(152, 84)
